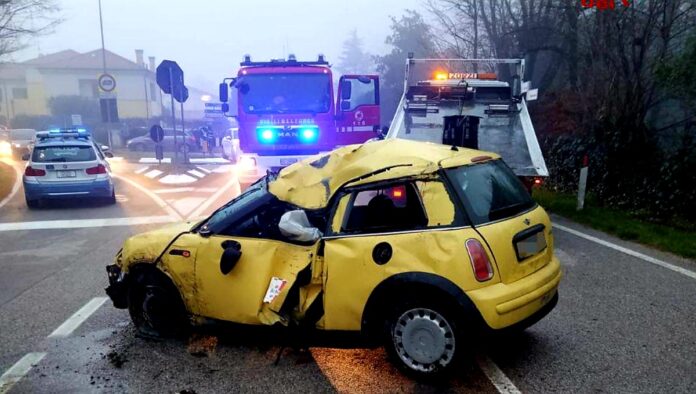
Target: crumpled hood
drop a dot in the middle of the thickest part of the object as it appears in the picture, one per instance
(147, 246)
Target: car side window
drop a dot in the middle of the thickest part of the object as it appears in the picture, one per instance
(396, 207)
(259, 223)
(99, 152)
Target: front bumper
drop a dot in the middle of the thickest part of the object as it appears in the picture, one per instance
(503, 305)
(118, 286)
(50, 190)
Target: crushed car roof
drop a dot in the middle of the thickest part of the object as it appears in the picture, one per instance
(312, 182)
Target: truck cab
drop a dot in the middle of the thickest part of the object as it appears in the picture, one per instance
(472, 103)
(286, 110)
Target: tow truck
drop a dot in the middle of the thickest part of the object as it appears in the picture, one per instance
(464, 103)
(286, 111)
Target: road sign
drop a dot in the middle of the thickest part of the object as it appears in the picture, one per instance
(109, 110)
(156, 133)
(532, 94)
(76, 119)
(169, 75)
(181, 93)
(107, 82)
(213, 110)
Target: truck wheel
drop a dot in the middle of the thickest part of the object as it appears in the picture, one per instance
(423, 339)
(155, 306)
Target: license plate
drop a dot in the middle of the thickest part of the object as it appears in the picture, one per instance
(287, 162)
(66, 174)
(530, 242)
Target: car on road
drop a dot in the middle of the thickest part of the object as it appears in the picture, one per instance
(417, 246)
(187, 143)
(230, 145)
(20, 140)
(67, 163)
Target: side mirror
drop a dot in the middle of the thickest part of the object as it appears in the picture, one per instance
(346, 90)
(295, 226)
(25, 157)
(230, 256)
(345, 105)
(108, 154)
(224, 92)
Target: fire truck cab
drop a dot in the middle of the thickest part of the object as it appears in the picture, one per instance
(286, 110)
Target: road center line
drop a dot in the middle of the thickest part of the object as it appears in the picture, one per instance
(18, 370)
(170, 211)
(84, 223)
(501, 382)
(198, 212)
(78, 318)
(649, 259)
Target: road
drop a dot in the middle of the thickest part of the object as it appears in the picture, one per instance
(624, 323)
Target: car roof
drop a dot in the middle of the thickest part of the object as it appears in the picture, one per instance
(312, 182)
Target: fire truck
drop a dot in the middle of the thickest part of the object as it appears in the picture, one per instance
(286, 110)
(472, 103)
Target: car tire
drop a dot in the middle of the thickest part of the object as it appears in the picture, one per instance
(33, 204)
(423, 338)
(139, 147)
(111, 200)
(155, 306)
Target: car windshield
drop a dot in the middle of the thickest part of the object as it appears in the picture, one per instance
(282, 93)
(51, 154)
(490, 191)
(230, 212)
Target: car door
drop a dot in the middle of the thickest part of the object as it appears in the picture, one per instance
(387, 229)
(357, 108)
(262, 287)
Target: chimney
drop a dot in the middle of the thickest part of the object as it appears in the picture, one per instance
(139, 57)
(152, 63)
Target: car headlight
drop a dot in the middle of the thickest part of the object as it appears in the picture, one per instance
(5, 148)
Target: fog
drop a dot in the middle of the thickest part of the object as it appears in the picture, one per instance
(209, 38)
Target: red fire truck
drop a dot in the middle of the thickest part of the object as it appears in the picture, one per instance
(286, 110)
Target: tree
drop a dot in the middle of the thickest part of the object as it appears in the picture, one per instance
(409, 34)
(22, 19)
(353, 59)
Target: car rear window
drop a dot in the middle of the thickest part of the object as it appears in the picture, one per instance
(63, 154)
(490, 191)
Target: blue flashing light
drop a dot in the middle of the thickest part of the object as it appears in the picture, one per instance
(309, 135)
(54, 131)
(267, 135)
(81, 130)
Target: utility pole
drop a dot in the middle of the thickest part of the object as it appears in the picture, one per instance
(108, 110)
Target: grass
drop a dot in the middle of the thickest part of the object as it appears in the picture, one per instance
(679, 241)
(7, 178)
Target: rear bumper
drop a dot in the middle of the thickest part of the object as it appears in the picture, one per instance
(503, 305)
(56, 190)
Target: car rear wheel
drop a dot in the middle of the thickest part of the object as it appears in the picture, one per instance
(33, 204)
(155, 306)
(112, 199)
(423, 339)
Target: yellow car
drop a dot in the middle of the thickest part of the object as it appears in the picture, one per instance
(416, 244)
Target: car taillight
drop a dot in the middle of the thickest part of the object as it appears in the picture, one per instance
(100, 169)
(479, 260)
(34, 171)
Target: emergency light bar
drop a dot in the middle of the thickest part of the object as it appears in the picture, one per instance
(291, 61)
(74, 132)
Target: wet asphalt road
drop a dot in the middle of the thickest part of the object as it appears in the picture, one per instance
(622, 324)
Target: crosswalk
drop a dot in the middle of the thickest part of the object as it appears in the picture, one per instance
(189, 176)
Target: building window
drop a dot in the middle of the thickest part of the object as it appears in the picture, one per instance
(88, 88)
(153, 92)
(20, 93)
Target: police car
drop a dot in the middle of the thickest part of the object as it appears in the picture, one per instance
(67, 163)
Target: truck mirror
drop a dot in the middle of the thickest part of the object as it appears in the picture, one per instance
(346, 90)
(345, 105)
(224, 96)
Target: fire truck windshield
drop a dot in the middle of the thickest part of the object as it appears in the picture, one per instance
(285, 93)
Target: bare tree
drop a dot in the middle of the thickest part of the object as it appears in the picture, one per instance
(23, 19)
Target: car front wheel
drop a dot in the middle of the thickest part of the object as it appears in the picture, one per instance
(155, 306)
(423, 339)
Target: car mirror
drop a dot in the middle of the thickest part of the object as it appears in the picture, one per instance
(108, 154)
(230, 256)
(25, 157)
(295, 226)
(345, 105)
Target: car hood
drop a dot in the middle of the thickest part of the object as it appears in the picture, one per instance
(146, 247)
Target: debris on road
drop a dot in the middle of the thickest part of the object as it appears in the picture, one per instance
(202, 345)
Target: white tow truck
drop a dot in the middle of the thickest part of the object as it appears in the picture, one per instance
(463, 102)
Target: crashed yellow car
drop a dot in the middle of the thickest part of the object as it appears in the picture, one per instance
(414, 244)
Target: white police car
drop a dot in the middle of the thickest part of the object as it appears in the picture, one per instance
(67, 164)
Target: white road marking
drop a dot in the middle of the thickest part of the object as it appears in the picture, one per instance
(152, 160)
(198, 212)
(223, 169)
(15, 187)
(152, 174)
(644, 257)
(197, 173)
(87, 223)
(175, 190)
(204, 169)
(18, 370)
(209, 160)
(170, 211)
(176, 179)
(78, 318)
(187, 204)
(501, 382)
(142, 169)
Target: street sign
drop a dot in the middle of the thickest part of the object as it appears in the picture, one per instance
(180, 93)
(169, 75)
(156, 133)
(76, 119)
(109, 110)
(213, 110)
(532, 94)
(107, 83)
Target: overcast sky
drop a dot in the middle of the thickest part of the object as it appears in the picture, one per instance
(209, 37)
